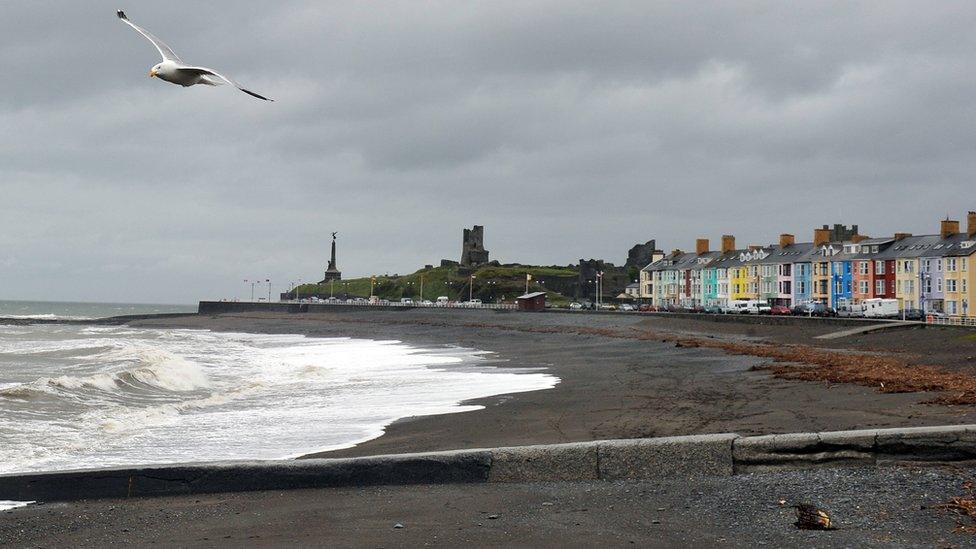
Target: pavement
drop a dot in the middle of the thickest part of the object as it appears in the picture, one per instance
(871, 507)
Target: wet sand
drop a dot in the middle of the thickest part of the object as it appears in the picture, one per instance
(616, 387)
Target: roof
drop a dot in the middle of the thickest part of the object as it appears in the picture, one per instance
(633, 285)
(531, 295)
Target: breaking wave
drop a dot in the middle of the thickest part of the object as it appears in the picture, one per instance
(106, 396)
(152, 369)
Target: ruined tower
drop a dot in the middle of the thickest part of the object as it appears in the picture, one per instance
(473, 252)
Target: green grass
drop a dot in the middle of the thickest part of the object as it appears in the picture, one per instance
(490, 284)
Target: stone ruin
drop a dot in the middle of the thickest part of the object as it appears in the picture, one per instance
(641, 255)
(473, 252)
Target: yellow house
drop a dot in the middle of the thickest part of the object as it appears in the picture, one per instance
(957, 286)
(906, 283)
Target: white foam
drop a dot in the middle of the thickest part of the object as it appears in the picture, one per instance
(162, 396)
(7, 504)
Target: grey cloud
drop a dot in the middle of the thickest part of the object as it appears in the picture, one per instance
(569, 130)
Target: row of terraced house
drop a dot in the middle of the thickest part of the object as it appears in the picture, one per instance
(934, 273)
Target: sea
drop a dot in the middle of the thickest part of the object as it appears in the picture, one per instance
(78, 396)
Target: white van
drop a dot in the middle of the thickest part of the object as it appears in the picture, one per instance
(442, 301)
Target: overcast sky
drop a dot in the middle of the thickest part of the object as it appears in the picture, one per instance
(567, 129)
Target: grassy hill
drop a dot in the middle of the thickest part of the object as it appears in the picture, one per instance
(490, 284)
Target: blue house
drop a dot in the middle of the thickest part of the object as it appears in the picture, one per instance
(841, 276)
(802, 282)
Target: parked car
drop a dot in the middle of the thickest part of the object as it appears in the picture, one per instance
(713, 310)
(912, 314)
(406, 301)
(821, 310)
(759, 308)
(780, 310)
(627, 307)
(608, 307)
(576, 306)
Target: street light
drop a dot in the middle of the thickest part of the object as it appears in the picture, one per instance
(471, 288)
(252, 283)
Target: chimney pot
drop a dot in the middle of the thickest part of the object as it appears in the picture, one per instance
(728, 243)
(902, 236)
(949, 228)
(821, 236)
(701, 246)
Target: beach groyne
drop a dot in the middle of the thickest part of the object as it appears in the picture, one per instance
(723, 454)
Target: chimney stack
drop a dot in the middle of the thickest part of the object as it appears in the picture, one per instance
(971, 224)
(728, 243)
(859, 237)
(701, 246)
(949, 228)
(786, 240)
(821, 236)
(902, 236)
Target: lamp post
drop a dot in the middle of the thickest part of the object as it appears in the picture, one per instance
(471, 288)
(421, 287)
(268, 280)
(372, 282)
(252, 283)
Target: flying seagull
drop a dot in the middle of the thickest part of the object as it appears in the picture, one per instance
(173, 70)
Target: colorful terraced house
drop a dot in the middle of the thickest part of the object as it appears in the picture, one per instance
(934, 273)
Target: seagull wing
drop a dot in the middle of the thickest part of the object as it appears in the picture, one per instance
(164, 50)
(204, 71)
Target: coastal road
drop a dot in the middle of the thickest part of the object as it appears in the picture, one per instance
(872, 507)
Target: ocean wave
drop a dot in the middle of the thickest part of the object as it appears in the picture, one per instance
(153, 368)
(47, 316)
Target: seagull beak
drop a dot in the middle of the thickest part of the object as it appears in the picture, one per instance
(152, 73)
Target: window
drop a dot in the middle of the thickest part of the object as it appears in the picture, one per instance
(879, 287)
(909, 266)
(938, 285)
(964, 290)
(951, 285)
(962, 264)
(951, 265)
(863, 287)
(879, 267)
(862, 267)
(938, 265)
(951, 307)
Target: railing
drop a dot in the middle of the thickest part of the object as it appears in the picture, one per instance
(951, 320)
(448, 305)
